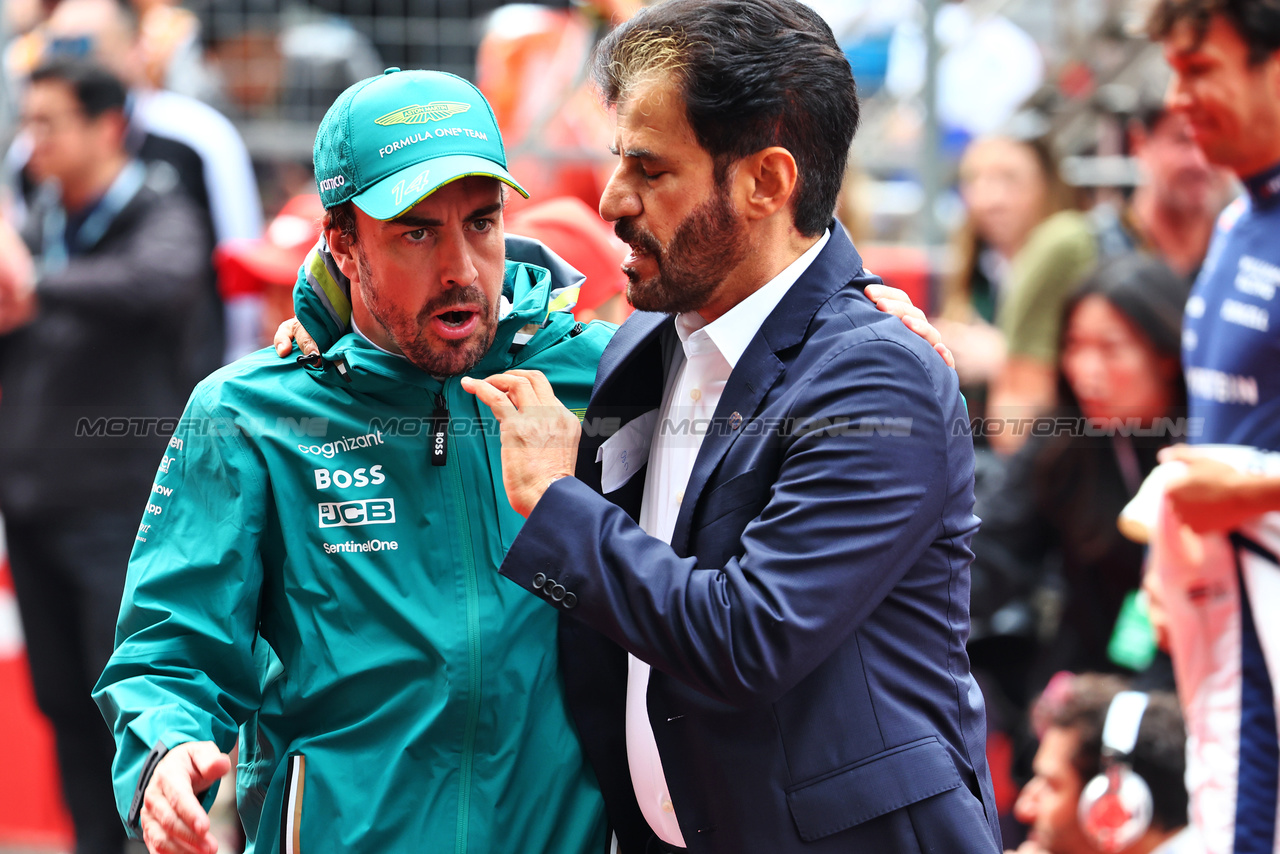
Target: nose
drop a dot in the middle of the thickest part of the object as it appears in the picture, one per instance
(1024, 808)
(1087, 374)
(453, 256)
(619, 199)
(1176, 96)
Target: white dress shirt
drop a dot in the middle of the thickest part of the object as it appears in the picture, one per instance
(695, 382)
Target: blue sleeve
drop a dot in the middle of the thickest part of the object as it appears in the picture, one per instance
(849, 513)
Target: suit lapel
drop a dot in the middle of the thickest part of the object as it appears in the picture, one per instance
(760, 367)
(628, 384)
(627, 347)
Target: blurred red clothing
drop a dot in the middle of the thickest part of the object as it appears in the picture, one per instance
(577, 234)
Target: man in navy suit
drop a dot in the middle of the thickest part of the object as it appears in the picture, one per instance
(759, 536)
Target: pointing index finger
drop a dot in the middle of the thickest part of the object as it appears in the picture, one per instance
(541, 385)
(490, 396)
(518, 388)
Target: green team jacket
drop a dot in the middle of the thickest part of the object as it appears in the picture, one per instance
(306, 576)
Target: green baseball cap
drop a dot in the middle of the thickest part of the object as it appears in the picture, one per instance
(390, 141)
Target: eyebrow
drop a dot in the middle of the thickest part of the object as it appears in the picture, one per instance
(639, 154)
(426, 222)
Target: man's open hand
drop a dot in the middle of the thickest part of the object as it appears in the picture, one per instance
(173, 821)
(287, 333)
(897, 303)
(539, 436)
(1213, 496)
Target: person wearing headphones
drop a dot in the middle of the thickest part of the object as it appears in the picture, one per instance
(1109, 772)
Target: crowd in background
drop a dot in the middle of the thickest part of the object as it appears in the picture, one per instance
(1059, 298)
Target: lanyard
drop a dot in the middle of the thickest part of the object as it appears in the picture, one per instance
(60, 246)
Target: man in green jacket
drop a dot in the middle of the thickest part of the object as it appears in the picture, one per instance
(315, 568)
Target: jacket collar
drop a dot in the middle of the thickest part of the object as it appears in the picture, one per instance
(538, 299)
(760, 367)
(633, 364)
(835, 266)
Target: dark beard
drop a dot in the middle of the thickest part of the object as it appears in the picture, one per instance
(438, 357)
(707, 244)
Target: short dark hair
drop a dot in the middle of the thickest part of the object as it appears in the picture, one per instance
(221, 20)
(96, 89)
(342, 217)
(1159, 756)
(753, 74)
(1256, 21)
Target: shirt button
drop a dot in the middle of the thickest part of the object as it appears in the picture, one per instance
(680, 497)
(696, 394)
(667, 806)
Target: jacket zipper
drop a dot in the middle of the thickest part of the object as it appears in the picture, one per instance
(473, 639)
(440, 432)
(291, 807)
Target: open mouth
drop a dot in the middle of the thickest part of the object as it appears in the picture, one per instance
(456, 322)
(637, 257)
(455, 318)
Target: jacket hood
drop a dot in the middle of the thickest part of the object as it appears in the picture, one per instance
(541, 287)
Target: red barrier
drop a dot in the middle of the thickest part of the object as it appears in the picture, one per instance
(31, 810)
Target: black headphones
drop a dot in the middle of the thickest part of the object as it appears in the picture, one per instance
(1115, 807)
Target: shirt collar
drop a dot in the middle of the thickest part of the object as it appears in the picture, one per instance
(358, 331)
(731, 332)
(1264, 187)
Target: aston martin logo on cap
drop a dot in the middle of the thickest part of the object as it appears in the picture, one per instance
(418, 114)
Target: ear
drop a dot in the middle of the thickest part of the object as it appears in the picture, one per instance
(343, 250)
(115, 128)
(1272, 72)
(765, 182)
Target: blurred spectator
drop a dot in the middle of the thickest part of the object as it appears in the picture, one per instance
(1170, 215)
(204, 148)
(94, 358)
(1173, 210)
(1073, 751)
(1226, 63)
(23, 26)
(1122, 396)
(444, 37)
(270, 54)
(1009, 186)
(22, 16)
(577, 234)
(268, 267)
(530, 68)
(169, 44)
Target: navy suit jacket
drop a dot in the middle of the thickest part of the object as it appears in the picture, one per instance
(810, 689)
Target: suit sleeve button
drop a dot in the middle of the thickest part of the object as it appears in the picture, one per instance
(570, 600)
(558, 593)
(539, 580)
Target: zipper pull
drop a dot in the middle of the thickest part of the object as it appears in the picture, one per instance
(440, 432)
